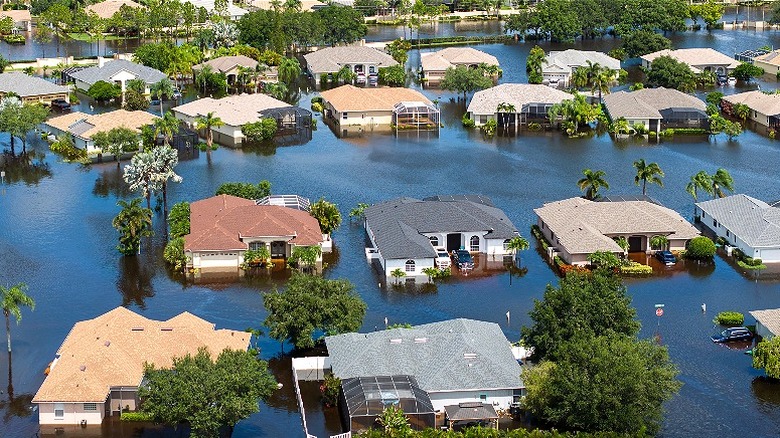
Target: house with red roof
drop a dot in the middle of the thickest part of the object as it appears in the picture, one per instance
(224, 227)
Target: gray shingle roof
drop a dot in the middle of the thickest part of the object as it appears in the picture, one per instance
(649, 102)
(110, 68)
(397, 224)
(331, 59)
(753, 221)
(26, 86)
(519, 95)
(452, 355)
(470, 411)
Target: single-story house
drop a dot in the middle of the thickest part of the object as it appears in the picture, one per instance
(349, 107)
(231, 67)
(452, 362)
(657, 109)
(770, 62)
(363, 61)
(31, 89)
(98, 368)
(751, 225)
(698, 59)
(577, 227)
(527, 102)
(237, 110)
(403, 232)
(767, 322)
(558, 67)
(233, 12)
(224, 227)
(106, 9)
(21, 17)
(117, 71)
(764, 108)
(83, 126)
(435, 64)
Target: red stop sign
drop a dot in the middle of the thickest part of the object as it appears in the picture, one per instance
(659, 312)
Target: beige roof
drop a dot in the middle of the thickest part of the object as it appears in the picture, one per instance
(519, 95)
(85, 125)
(768, 104)
(306, 5)
(454, 56)
(111, 350)
(17, 15)
(582, 226)
(224, 64)
(570, 59)
(233, 110)
(108, 8)
(648, 103)
(696, 58)
(352, 98)
(332, 59)
(769, 58)
(769, 318)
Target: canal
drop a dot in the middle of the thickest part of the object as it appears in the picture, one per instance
(56, 235)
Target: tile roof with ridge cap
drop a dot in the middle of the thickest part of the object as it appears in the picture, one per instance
(572, 58)
(17, 15)
(348, 98)
(27, 86)
(695, 57)
(582, 226)
(85, 125)
(224, 64)
(111, 349)
(91, 75)
(453, 56)
(220, 222)
(769, 58)
(332, 59)
(519, 95)
(234, 110)
(769, 318)
(753, 221)
(107, 8)
(649, 102)
(757, 100)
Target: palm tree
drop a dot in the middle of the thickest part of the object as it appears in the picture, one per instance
(163, 90)
(592, 182)
(579, 77)
(133, 223)
(621, 126)
(207, 123)
(647, 172)
(506, 109)
(13, 298)
(167, 126)
(701, 181)
(721, 180)
(397, 274)
(600, 82)
(517, 243)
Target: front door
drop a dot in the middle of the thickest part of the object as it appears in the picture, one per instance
(635, 244)
(453, 242)
(278, 250)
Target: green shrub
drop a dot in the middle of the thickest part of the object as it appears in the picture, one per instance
(729, 318)
(489, 128)
(751, 266)
(179, 219)
(534, 126)
(635, 268)
(135, 416)
(467, 122)
(174, 254)
(317, 107)
(261, 130)
(537, 232)
(700, 248)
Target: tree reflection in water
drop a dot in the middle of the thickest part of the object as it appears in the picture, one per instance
(767, 393)
(135, 280)
(15, 406)
(110, 182)
(28, 168)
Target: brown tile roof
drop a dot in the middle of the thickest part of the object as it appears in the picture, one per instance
(769, 318)
(352, 98)
(220, 222)
(111, 350)
(17, 15)
(582, 226)
(90, 124)
(769, 58)
(452, 56)
(108, 8)
(768, 104)
(224, 64)
(233, 110)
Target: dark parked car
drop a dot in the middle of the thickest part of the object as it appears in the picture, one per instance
(733, 334)
(666, 257)
(60, 104)
(463, 260)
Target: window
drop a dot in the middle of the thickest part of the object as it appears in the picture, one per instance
(409, 267)
(90, 406)
(345, 116)
(506, 245)
(483, 397)
(715, 223)
(256, 246)
(727, 233)
(59, 411)
(474, 243)
(434, 240)
(703, 214)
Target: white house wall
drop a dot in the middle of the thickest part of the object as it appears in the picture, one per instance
(722, 231)
(74, 413)
(500, 398)
(419, 265)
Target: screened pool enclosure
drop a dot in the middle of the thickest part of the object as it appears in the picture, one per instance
(364, 399)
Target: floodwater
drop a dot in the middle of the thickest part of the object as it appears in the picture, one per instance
(56, 235)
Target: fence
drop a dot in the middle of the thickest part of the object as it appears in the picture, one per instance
(311, 368)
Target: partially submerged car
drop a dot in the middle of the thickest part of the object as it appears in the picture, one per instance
(666, 257)
(733, 334)
(442, 257)
(463, 260)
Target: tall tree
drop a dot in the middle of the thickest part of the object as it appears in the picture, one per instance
(647, 172)
(289, 70)
(592, 182)
(19, 119)
(116, 142)
(700, 182)
(465, 80)
(312, 304)
(533, 65)
(13, 299)
(207, 123)
(140, 175)
(167, 126)
(163, 89)
(165, 160)
(327, 214)
(133, 222)
(721, 179)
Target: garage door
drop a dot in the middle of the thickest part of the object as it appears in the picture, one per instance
(219, 260)
(770, 255)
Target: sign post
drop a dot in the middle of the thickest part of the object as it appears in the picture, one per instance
(659, 312)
